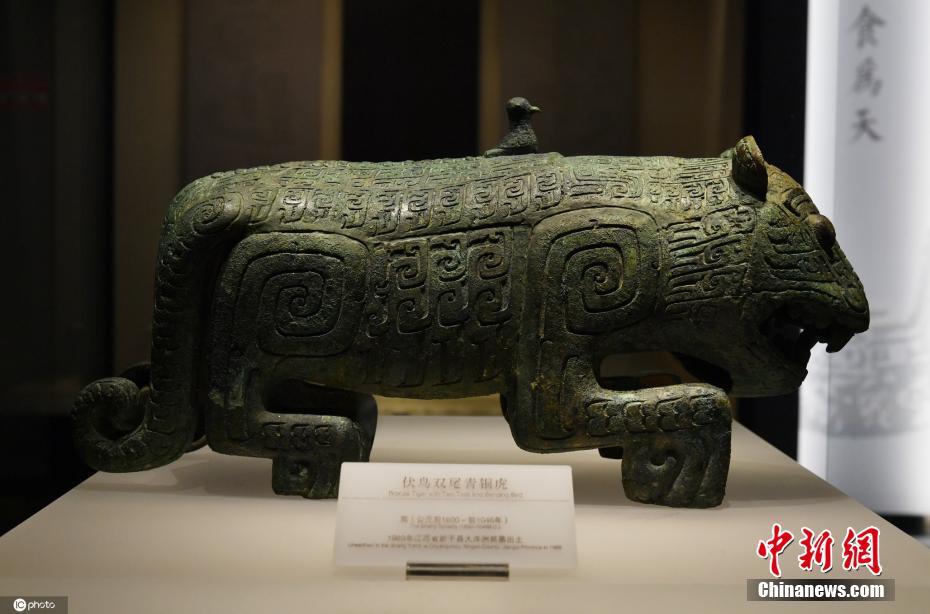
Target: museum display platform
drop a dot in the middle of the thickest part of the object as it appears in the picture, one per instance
(207, 534)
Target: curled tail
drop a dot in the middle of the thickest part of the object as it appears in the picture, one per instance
(145, 418)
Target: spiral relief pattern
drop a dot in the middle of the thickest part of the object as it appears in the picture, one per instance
(111, 427)
(597, 273)
(598, 277)
(305, 293)
(217, 214)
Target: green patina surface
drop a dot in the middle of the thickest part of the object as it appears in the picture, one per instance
(287, 295)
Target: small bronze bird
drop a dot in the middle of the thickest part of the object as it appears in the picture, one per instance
(520, 139)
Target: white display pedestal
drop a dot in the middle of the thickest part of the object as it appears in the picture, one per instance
(206, 534)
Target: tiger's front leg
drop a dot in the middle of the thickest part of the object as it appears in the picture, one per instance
(674, 440)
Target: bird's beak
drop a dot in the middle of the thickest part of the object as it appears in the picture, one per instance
(535, 109)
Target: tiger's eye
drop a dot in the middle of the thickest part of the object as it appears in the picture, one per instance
(823, 229)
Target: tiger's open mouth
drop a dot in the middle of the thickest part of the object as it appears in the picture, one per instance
(794, 329)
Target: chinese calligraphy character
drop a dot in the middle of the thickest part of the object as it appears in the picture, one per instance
(865, 25)
(817, 550)
(864, 125)
(861, 550)
(772, 548)
(866, 79)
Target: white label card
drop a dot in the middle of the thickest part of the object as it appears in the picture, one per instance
(390, 514)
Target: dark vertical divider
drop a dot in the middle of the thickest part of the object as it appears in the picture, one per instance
(776, 62)
(26, 159)
(410, 79)
(82, 180)
(55, 312)
(776, 69)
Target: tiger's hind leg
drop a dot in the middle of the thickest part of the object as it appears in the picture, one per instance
(319, 429)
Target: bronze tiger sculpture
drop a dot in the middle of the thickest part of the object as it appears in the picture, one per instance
(287, 295)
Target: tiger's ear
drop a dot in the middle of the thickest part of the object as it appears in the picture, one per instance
(749, 169)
